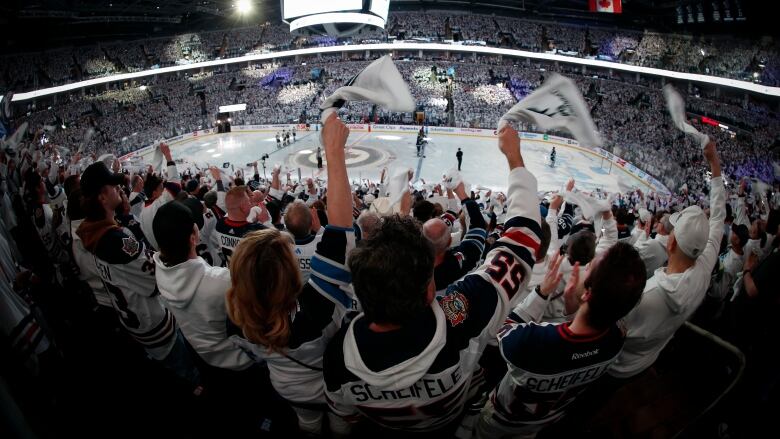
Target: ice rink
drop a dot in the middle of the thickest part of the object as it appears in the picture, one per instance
(368, 153)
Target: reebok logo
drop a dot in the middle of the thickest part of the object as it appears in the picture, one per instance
(577, 355)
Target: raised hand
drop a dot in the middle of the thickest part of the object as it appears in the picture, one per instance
(509, 144)
(572, 295)
(552, 278)
(556, 202)
(334, 133)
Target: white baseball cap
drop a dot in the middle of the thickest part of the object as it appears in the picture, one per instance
(691, 230)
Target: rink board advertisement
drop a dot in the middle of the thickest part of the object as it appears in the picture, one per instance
(477, 132)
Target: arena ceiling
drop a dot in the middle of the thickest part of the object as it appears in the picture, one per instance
(40, 24)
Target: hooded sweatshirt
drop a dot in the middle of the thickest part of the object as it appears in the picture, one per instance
(194, 291)
(670, 299)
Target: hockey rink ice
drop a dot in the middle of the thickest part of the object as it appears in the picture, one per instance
(369, 152)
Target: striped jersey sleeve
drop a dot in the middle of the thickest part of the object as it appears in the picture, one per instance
(330, 275)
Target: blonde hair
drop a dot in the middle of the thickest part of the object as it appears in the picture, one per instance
(265, 283)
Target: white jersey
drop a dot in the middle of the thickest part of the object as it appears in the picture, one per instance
(304, 251)
(208, 248)
(88, 271)
(51, 228)
(124, 262)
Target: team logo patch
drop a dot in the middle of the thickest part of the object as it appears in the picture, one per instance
(130, 246)
(455, 307)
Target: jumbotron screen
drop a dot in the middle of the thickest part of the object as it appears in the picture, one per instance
(299, 8)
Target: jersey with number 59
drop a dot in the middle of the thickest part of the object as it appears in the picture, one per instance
(124, 263)
(304, 251)
(417, 378)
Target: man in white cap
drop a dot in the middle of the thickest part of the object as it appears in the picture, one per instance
(674, 293)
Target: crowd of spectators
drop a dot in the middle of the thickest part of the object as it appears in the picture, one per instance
(726, 57)
(243, 290)
(631, 117)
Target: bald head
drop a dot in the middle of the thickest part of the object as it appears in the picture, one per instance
(438, 233)
(237, 203)
(368, 222)
(297, 219)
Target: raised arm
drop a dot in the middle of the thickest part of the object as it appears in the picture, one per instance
(334, 136)
(717, 210)
(508, 265)
(330, 275)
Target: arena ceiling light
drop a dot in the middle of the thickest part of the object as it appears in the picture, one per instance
(244, 6)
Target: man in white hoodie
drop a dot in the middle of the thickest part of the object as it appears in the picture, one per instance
(674, 293)
(192, 289)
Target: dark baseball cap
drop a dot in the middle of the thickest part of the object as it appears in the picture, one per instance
(172, 225)
(742, 233)
(197, 209)
(96, 176)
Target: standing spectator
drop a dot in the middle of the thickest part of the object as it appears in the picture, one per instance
(125, 265)
(193, 290)
(459, 156)
(159, 192)
(549, 365)
(439, 340)
(673, 294)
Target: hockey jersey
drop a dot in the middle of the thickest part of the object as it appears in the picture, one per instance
(208, 247)
(462, 258)
(297, 372)
(88, 271)
(548, 366)
(124, 262)
(229, 233)
(418, 378)
(50, 224)
(304, 251)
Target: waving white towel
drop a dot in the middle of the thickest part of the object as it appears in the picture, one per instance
(380, 83)
(676, 106)
(556, 104)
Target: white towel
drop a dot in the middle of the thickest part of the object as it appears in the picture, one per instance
(588, 205)
(556, 104)
(398, 185)
(380, 83)
(676, 106)
(452, 179)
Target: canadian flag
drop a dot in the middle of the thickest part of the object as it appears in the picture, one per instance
(611, 6)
